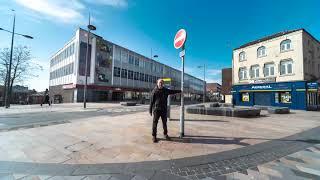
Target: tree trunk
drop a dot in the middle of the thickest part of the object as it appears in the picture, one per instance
(5, 87)
(10, 90)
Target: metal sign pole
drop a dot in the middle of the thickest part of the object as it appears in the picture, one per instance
(169, 108)
(182, 95)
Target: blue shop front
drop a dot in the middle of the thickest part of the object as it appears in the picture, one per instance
(295, 95)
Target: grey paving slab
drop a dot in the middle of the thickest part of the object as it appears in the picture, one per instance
(97, 177)
(67, 178)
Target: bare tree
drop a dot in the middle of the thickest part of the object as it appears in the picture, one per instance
(22, 68)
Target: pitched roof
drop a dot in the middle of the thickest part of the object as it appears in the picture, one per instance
(269, 37)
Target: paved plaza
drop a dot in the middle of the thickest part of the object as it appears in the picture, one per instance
(109, 141)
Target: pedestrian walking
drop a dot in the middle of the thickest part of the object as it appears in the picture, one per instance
(158, 108)
(46, 98)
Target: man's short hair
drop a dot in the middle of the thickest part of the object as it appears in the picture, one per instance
(160, 80)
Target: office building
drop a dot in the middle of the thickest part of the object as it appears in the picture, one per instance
(114, 72)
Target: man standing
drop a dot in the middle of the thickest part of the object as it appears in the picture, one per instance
(158, 106)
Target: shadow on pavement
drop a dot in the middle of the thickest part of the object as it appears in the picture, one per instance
(200, 120)
(238, 139)
(200, 140)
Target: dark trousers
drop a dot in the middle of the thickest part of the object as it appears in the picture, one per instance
(46, 101)
(156, 116)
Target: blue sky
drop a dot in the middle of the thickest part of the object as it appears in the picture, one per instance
(214, 27)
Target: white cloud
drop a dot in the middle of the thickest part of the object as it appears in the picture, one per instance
(113, 3)
(214, 72)
(64, 11)
(59, 10)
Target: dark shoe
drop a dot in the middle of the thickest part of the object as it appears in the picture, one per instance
(167, 137)
(154, 139)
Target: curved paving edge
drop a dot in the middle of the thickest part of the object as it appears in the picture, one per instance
(211, 165)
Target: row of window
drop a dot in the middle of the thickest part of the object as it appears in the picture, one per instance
(63, 71)
(124, 73)
(285, 45)
(63, 55)
(280, 97)
(124, 56)
(285, 68)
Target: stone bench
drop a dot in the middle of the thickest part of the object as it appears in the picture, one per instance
(224, 111)
(278, 110)
(274, 109)
(221, 105)
(262, 107)
(128, 103)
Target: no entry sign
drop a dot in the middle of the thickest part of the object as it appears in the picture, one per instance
(180, 39)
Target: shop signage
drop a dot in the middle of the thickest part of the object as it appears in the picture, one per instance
(261, 87)
(312, 85)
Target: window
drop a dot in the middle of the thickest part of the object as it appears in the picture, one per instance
(131, 59)
(136, 76)
(116, 72)
(82, 59)
(276, 97)
(254, 71)
(123, 73)
(242, 73)
(130, 74)
(268, 70)
(72, 48)
(136, 61)
(285, 45)
(285, 97)
(286, 67)
(141, 64)
(242, 56)
(117, 55)
(146, 78)
(141, 77)
(124, 56)
(261, 52)
(245, 97)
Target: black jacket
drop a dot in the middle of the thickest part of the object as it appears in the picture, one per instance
(159, 98)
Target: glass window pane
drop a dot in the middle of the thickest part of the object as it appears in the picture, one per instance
(272, 71)
(289, 68)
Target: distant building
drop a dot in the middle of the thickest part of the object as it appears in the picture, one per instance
(278, 70)
(114, 72)
(226, 81)
(214, 91)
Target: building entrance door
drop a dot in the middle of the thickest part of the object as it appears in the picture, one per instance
(262, 98)
(117, 96)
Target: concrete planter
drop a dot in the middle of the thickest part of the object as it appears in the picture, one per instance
(128, 103)
(224, 111)
(278, 110)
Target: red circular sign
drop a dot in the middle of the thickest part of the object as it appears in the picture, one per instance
(180, 38)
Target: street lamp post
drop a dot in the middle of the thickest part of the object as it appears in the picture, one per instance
(152, 57)
(90, 28)
(204, 82)
(8, 77)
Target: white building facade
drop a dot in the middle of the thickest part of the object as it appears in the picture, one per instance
(114, 72)
(282, 59)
